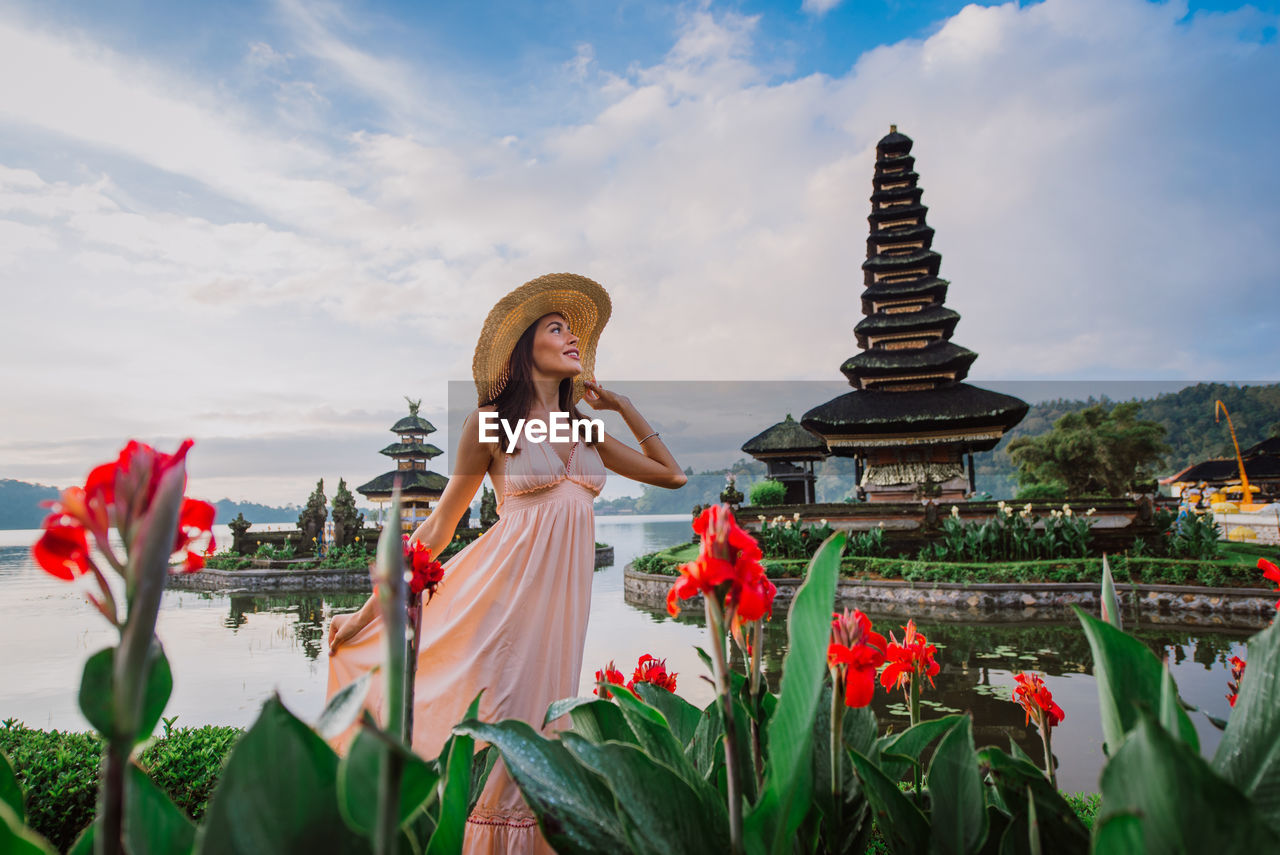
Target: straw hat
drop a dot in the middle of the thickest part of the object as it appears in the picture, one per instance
(584, 304)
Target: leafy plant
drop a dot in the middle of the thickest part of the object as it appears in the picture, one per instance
(767, 493)
(1195, 536)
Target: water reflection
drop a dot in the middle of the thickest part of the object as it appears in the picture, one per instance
(977, 666)
(310, 613)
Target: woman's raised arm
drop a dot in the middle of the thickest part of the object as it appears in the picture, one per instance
(653, 464)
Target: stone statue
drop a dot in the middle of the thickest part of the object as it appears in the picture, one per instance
(413, 405)
(731, 495)
(239, 526)
(347, 521)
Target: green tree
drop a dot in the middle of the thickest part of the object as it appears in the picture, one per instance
(311, 520)
(488, 508)
(347, 521)
(1095, 451)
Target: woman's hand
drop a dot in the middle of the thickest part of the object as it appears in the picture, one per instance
(600, 398)
(341, 630)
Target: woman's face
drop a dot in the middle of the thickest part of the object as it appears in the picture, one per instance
(555, 348)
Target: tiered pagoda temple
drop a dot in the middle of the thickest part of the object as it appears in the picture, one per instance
(911, 421)
(418, 486)
(790, 452)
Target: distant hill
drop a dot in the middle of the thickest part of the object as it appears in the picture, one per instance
(20, 503)
(255, 513)
(702, 488)
(20, 507)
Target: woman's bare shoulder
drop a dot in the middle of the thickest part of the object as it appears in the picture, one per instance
(476, 429)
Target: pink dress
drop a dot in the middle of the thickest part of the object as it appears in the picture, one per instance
(510, 617)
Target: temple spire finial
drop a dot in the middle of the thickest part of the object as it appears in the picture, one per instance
(893, 129)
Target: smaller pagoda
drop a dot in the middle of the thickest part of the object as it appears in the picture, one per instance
(789, 450)
(418, 486)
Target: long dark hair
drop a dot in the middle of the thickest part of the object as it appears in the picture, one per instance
(516, 398)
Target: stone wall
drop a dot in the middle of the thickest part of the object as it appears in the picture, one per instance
(270, 580)
(1251, 608)
(1264, 526)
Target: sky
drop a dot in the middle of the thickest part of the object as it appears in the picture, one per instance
(262, 224)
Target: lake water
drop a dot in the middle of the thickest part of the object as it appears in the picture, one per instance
(230, 652)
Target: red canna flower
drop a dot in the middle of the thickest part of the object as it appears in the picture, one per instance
(62, 550)
(717, 527)
(131, 482)
(702, 575)
(754, 591)
(85, 505)
(610, 675)
(1233, 687)
(853, 655)
(195, 521)
(1037, 700)
(727, 569)
(909, 660)
(1270, 571)
(652, 670)
(425, 572)
(119, 493)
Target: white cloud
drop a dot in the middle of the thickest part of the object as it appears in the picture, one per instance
(409, 99)
(1099, 174)
(819, 8)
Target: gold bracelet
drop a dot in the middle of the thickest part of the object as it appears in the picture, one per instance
(650, 436)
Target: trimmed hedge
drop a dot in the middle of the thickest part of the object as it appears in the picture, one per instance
(1228, 572)
(58, 771)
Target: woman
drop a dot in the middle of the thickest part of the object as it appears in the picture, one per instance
(511, 614)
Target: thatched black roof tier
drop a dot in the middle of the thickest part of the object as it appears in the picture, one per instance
(897, 176)
(1270, 446)
(896, 166)
(962, 414)
(893, 143)
(787, 439)
(414, 484)
(898, 212)
(1260, 467)
(909, 192)
(927, 319)
(940, 356)
(411, 449)
(929, 286)
(921, 233)
(413, 424)
(926, 258)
